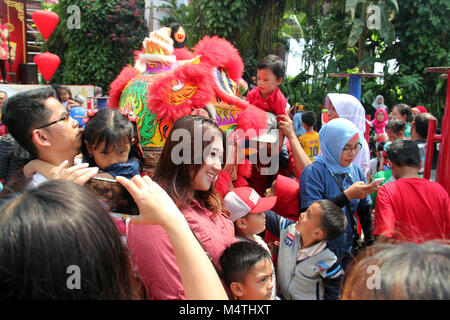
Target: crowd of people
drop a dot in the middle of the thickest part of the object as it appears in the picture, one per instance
(338, 205)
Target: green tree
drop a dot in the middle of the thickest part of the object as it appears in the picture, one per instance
(108, 33)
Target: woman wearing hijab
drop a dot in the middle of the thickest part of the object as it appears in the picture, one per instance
(378, 103)
(381, 119)
(334, 176)
(343, 105)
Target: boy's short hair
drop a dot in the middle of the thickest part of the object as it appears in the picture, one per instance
(309, 118)
(333, 221)
(404, 109)
(25, 111)
(404, 153)
(395, 125)
(421, 123)
(239, 259)
(274, 63)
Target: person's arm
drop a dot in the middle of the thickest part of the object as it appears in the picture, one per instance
(77, 173)
(301, 159)
(384, 216)
(276, 223)
(332, 282)
(199, 278)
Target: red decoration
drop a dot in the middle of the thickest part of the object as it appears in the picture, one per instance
(45, 21)
(47, 63)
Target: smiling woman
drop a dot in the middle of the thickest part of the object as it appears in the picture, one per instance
(187, 169)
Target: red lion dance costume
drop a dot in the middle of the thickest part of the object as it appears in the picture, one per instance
(160, 88)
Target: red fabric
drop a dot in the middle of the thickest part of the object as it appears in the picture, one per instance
(154, 254)
(413, 210)
(275, 103)
(288, 197)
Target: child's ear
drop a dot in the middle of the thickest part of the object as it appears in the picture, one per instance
(319, 234)
(237, 289)
(241, 223)
(279, 81)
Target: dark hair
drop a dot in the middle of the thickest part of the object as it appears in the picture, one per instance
(395, 125)
(58, 225)
(404, 109)
(273, 63)
(333, 221)
(63, 88)
(25, 111)
(404, 153)
(176, 177)
(421, 124)
(380, 146)
(309, 118)
(406, 271)
(111, 127)
(239, 259)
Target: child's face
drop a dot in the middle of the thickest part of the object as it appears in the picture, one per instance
(104, 158)
(255, 222)
(267, 82)
(309, 221)
(258, 284)
(64, 95)
(380, 116)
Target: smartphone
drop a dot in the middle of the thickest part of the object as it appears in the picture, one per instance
(113, 195)
(377, 181)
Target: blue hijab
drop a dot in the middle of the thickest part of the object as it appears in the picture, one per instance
(333, 138)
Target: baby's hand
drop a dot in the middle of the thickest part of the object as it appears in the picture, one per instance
(155, 205)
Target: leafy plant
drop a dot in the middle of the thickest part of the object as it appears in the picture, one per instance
(108, 34)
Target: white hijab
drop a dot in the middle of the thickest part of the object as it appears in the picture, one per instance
(377, 105)
(350, 108)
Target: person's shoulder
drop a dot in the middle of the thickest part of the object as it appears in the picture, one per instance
(253, 93)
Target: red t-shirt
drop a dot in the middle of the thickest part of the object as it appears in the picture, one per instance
(276, 103)
(412, 210)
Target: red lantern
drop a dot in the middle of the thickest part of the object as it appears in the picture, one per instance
(45, 21)
(47, 63)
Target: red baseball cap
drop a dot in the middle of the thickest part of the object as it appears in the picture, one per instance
(243, 200)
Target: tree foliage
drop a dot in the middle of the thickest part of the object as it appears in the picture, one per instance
(95, 53)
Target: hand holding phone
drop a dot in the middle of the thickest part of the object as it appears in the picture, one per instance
(377, 181)
(155, 205)
(113, 195)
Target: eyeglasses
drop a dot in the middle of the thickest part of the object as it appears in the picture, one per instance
(348, 149)
(63, 118)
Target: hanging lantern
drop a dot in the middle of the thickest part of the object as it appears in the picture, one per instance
(45, 21)
(47, 64)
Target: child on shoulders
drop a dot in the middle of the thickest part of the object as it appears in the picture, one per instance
(267, 96)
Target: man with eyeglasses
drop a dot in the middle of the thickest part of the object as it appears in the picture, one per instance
(42, 126)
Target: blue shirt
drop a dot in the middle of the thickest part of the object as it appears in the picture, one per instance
(317, 183)
(297, 124)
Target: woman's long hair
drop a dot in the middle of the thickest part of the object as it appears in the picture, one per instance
(174, 176)
(49, 233)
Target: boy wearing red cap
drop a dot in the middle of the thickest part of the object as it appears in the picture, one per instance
(247, 209)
